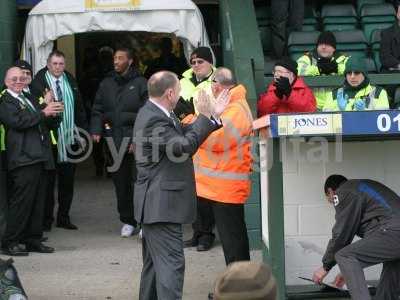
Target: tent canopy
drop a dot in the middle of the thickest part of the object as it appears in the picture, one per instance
(51, 19)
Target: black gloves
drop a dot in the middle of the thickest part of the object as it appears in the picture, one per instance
(283, 87)
(327, 66)
(184, 108)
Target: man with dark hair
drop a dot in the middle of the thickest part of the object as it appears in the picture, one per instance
(28, 159)
(165, 192)
(371, 211)
(54, 77)
(118, 100)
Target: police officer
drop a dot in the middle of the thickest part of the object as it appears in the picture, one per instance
(28, 158)
(357, 93)
(323, 60)
(370, 210)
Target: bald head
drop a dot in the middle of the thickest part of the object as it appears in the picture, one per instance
(225, 77)
(15, 80)
(164, 88)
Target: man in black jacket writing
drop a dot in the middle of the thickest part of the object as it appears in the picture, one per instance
(119, 97)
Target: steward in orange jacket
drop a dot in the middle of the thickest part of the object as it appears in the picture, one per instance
(223, 166)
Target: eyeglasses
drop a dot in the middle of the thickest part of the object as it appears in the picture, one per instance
(214, 81)
(197, 61)
(280, 72)
(17, 79)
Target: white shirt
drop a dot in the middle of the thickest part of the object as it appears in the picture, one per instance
(54, 86)
(23, 101)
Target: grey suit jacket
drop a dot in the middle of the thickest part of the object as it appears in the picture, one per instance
(165, 189)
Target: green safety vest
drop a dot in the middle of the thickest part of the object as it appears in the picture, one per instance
(375, 99)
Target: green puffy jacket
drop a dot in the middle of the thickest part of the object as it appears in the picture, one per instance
(307, 66)
(375, 99)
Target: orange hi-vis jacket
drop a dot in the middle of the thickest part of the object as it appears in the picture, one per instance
(223, 162)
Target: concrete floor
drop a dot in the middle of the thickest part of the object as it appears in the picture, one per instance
(95, 262)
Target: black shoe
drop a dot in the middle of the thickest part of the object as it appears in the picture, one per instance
(66, 224)
(46, 227)
(44, 239)
(14, 250)
(39, 247)
(210, 296)
(193, 242)
(205, 243)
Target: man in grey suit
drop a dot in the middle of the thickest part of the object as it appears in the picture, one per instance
(165, 190)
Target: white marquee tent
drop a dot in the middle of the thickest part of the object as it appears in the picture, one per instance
(52, 19)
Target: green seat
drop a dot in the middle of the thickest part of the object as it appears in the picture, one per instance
(263, 12)
(361, 3)
(339, 27)
(375, 40)
(309, 27)
(376, 16)
(266, 38)
(351, 42)
(396, 100)
(300, 42)
(343, 14)
(371, 67)
(310, 16)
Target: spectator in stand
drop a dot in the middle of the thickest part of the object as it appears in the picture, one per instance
(323, 60)
(357, 93)
(287, 16)
(287, 93)
(390, 45)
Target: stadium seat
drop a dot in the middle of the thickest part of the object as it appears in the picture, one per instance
(376, 16)
(310, 16)
(339, 17)
(266, 39)
(361, 3)
(371, 67)
(351, 42)
(396, 101)
(375, 44)
(268, 66)
(300, 42)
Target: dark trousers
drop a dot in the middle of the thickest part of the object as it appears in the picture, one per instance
(65, 175)
(25, 205)
(98, 156)
(124, 179)
(287, 16)
(163, 262)
(383, 246)
(3, 201)
(204, 224)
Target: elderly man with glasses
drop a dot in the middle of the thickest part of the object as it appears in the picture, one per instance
(287, 92)
(357, 93)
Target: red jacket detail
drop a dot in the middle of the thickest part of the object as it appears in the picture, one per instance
(301, 99)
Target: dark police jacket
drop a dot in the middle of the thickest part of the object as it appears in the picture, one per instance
(39, 85)
(362, 207)
(117, 103)
(27, 137)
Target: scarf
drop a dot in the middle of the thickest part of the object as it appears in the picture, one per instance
(67, 125)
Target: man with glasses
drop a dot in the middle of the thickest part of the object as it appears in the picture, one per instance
(197, 78)
(287, 92)
(28, 159)
(357, 93)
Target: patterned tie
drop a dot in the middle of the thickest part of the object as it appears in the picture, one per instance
(59, 91)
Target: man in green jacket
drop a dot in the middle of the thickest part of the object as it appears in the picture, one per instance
(323, 60)
(357, 93)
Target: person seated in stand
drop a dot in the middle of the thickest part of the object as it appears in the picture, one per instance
(287, 93)
(356, 93)
(323, 60)
(389, 52)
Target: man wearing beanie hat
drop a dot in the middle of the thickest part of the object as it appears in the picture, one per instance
(197, 78)
(357, 93)
(287, 92)
(246, 280)
(323, 60)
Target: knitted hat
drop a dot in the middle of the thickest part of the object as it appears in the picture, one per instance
(245, 280)
(203, 53)
(24, 65)
(327, 38)
(287, 63)
(357, 65)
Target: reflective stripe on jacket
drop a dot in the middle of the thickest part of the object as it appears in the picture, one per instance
(376, 98)
(223, 162)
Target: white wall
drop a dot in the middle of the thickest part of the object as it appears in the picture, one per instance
(308, 217)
